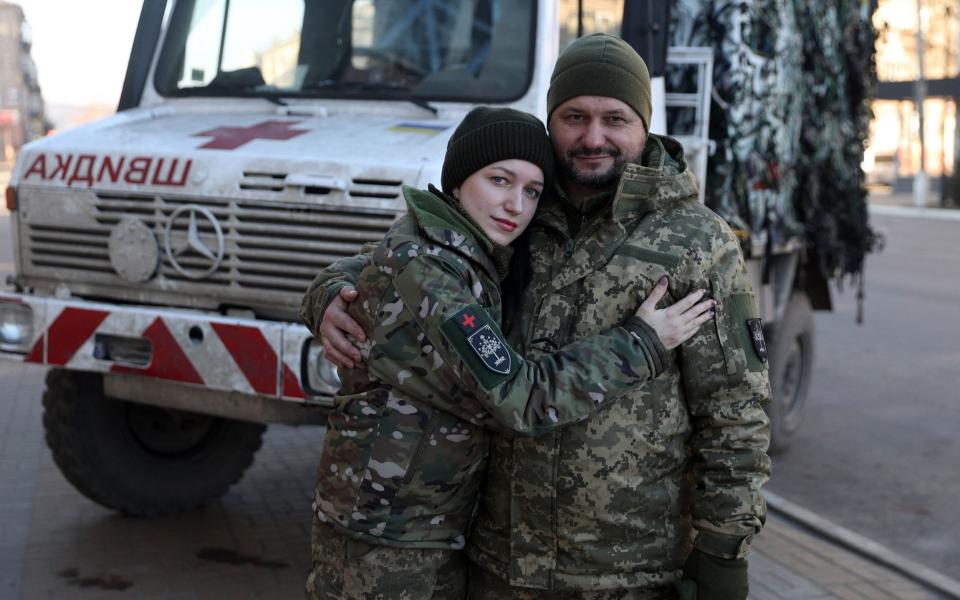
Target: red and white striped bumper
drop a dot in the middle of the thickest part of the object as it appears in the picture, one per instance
(229, 354)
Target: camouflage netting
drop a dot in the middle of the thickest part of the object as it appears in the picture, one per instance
(790, 115)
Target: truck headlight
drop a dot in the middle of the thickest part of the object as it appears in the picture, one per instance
(16, 326)
(319, 376)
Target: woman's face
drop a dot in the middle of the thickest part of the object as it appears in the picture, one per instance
(502, 197)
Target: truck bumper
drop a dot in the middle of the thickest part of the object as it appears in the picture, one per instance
(247, 356)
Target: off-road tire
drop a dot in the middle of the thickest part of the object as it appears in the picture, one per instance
(138, 459)
(791, 366)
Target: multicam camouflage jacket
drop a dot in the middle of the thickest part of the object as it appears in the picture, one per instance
(615, 501)
(406, 448)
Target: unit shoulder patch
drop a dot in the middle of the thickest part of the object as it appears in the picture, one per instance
(480, 344)
(491, 349)
(755, 326)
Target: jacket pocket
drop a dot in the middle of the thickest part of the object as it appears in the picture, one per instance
(724, 323)
(552, 327)
(613, 293)
(358, 549)
(744, 313)
(416, 458)
(346, 451)
(664, 259)
(401, 434)
(444, 476)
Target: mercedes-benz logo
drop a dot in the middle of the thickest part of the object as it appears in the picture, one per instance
(192, 240)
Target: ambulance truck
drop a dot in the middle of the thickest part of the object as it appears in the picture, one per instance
(161, 253)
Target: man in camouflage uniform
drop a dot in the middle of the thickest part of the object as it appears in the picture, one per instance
(660, 494)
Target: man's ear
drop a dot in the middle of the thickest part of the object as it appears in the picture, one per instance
(456, 193)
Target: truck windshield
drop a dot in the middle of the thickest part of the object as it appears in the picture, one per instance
(448, 50)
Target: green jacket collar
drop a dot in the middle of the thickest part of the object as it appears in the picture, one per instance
(441, 221)
(660, 178)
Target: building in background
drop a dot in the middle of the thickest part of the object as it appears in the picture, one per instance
(22, 116)
(894, 153)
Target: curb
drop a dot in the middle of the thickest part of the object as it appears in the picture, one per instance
(863, 546)
(941, 214)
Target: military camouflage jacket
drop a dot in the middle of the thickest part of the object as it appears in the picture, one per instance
(406, 447)
(615, 501)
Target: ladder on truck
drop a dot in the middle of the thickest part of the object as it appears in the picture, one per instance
(695, 138)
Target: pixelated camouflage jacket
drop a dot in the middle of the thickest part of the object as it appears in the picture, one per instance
(406, 447)
(615, 501)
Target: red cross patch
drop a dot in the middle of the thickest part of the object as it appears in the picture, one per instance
(469, 321)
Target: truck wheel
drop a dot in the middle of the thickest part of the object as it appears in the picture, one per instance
(791, 365)
(138, 459)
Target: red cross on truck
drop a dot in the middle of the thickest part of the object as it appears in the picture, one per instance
(229, 138)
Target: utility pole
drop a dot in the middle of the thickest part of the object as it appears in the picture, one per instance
(920, 183)
(947, 23)
(954, 196)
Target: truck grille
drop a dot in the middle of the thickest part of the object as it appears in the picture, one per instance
(269, 246)
(359, 187)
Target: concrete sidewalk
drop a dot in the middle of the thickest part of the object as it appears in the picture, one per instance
(254, 542)
(901, 204)
(789, 562)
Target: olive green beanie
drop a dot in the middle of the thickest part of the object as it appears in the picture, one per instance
(488, 135)
(601, 64)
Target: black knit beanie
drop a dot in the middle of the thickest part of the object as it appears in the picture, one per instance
(601, 64)
(488, 135)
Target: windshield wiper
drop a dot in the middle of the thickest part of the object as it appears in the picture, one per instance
(424, 105)
(242, 91)
(360, 86)
(246, 82)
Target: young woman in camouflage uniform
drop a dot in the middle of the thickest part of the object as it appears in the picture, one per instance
(406, 448)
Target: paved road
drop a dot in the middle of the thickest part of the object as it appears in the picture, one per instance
(254, 541)
(879, 449)
(54, 543)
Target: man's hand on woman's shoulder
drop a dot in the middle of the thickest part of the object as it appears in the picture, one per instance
(337, 327)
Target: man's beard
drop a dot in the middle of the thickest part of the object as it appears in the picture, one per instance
(593, 179)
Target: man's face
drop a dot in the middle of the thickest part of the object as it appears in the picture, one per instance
(594, 138)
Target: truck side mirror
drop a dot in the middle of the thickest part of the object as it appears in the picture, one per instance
(646, 27)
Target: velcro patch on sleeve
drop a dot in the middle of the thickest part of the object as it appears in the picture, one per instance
(756, 334)
(480, 344)
(748, 329)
